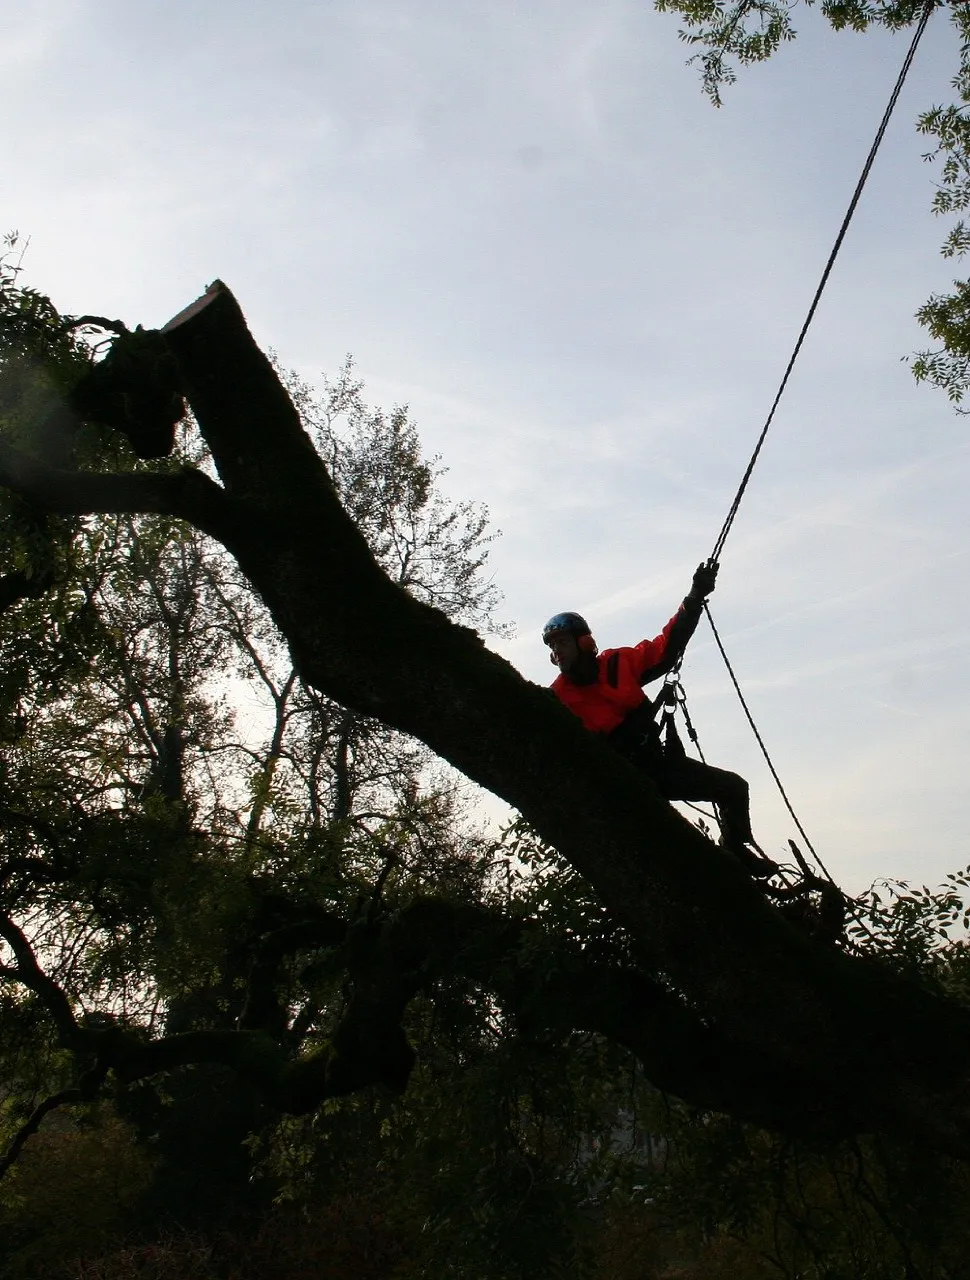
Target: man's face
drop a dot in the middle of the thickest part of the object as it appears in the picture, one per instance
(564, 650)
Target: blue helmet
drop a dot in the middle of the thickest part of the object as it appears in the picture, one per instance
(573, 623)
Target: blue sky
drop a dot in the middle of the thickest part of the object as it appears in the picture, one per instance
(525, 221)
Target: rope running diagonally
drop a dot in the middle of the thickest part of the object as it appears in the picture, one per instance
(855, 910)
(880, 133)
(764, 750)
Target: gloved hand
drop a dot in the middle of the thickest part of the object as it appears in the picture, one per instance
(705, 576)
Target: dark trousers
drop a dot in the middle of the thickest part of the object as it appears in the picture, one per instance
(678, 777)
(687, 779)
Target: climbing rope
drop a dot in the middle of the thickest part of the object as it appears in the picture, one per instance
(761, 743)
(880, 133)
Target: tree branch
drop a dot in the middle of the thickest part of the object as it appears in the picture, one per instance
(29, 972)
(547, 986)
(188, 494)
(263, 1010)
(95, 322)
(31, 1126)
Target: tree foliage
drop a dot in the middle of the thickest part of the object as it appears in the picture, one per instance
(750, 31)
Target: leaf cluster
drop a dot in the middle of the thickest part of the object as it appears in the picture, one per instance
(749, 31)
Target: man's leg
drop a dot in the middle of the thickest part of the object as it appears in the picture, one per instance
(681, 778)
(688, 779)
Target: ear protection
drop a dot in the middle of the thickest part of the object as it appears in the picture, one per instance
(569, 624)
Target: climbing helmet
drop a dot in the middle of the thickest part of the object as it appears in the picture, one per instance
(573, 623)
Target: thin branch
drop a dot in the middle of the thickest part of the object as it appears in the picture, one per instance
(31, 1126)
(45, 988)
(98, 322)
(239, 633)
(273, 757)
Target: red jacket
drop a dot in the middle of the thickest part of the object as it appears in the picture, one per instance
(617, 691)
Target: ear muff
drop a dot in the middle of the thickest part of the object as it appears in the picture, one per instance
(586, 644)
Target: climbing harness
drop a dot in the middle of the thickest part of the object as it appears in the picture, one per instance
(665, 705)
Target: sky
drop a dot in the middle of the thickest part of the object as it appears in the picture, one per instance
(525, 221)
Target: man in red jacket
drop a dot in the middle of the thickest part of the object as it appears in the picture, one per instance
(606, 691)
